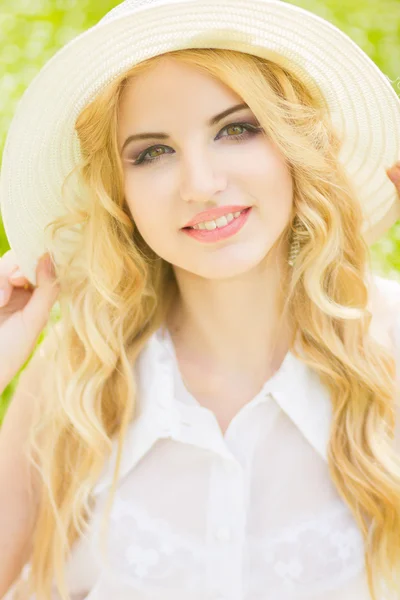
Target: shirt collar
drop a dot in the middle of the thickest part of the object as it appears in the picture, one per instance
(295, 387)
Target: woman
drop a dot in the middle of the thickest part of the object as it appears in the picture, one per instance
(222, 388)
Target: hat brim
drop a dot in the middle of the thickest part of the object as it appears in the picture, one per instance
(42, 147)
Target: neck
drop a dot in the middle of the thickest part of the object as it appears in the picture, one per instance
(235, 326)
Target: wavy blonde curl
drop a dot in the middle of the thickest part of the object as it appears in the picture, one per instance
(116, 292)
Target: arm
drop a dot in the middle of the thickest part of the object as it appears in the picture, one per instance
(19, 483)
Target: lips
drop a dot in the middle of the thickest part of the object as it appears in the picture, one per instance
(234, 218)
(219, 234)
(215, 213)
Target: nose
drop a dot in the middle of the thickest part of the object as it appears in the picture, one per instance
(201, 178)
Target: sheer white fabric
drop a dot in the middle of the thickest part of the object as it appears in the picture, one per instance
(249, 515)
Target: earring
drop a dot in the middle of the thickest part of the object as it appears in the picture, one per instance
(294, 250)
(295, 243)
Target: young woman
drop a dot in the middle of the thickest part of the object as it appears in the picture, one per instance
(214, 414)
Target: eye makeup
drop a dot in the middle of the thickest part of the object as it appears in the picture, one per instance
(250, 131)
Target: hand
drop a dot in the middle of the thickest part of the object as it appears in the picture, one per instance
(24, 312)
(394, 175)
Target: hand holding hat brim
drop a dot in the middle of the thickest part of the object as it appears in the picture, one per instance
(394, 175)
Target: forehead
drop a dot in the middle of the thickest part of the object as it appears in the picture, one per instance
(170, 87)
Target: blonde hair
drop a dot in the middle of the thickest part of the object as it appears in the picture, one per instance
(116, 292)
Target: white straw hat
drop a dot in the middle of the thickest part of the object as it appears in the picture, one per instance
(42, 146)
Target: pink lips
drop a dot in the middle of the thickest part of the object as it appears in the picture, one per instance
(220, 233)
(214, 213)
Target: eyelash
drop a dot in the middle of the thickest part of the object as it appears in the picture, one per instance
(250, 131)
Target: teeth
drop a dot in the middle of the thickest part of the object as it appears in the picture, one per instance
(220, 222)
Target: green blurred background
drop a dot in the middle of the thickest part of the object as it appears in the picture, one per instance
(33, 30)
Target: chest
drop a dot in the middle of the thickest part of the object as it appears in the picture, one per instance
(223, 528)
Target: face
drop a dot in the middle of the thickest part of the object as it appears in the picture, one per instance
(199, 166)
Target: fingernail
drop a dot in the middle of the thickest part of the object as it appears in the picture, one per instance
(16, 274)
(394, 173)
(50, 270)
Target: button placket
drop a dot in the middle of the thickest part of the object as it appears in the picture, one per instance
(223, 534)
(226, 528)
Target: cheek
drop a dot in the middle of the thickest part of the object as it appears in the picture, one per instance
(149, 218)
(147, 200)
(265, 167)
(279, 184)
(270, 183)
(151, 212)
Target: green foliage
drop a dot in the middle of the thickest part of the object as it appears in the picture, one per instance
(375, 27)
(33, 30)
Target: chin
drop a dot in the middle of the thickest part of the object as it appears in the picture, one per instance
(228, 268)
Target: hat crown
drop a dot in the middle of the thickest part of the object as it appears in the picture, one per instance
(131, 6)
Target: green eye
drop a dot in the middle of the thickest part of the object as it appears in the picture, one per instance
(249, 131)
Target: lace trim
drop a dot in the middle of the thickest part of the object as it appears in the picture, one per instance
(149, 550)
(317, 555)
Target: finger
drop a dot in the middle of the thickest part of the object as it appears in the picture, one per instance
(10, 272)
(18, 279)
(7, 290)
(43, 298)
(8, 265)
(394, 173)
(21, 283)
(8, 262)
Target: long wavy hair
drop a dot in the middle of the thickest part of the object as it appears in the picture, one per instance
(116, 292)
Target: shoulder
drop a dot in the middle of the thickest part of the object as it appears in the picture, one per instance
(384, 293)
(384, 305)
(386, 288)
(384, 301)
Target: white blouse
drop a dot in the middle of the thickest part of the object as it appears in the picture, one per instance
(249, 515)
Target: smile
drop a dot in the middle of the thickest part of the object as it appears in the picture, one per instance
(220, 229)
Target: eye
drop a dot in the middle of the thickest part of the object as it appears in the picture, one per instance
(249, 131)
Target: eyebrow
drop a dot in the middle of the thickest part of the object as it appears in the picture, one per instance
(164, 136)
